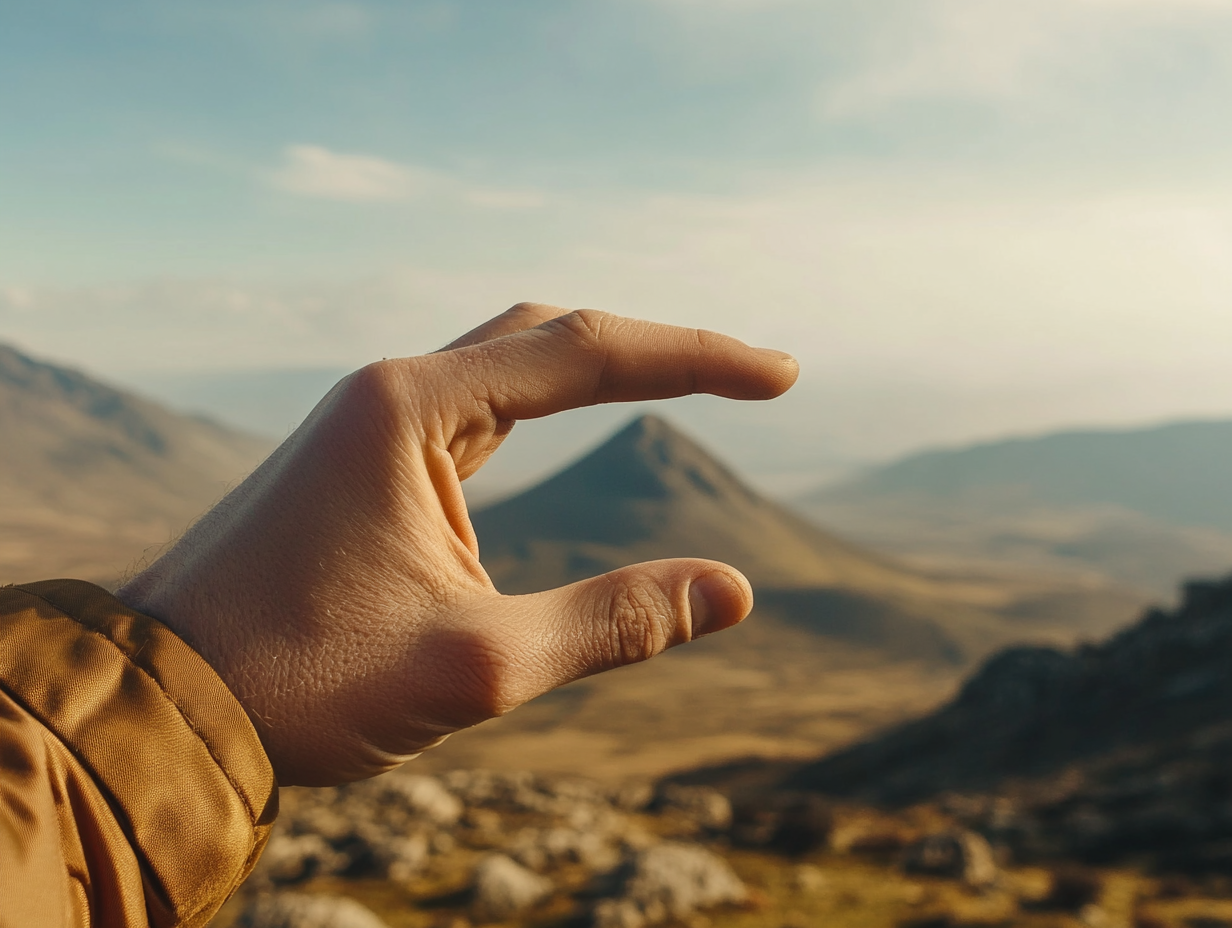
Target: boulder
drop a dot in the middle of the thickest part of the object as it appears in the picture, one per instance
(670, 881)
(297, 910)
(503, 888)
(959, 855)
(705, 807)
(426, 797)
(292, 859)
(543, 848)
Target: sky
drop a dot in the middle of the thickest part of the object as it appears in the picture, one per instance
(968, 218)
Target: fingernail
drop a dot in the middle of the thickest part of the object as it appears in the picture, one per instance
(777, 355)
(715, 602)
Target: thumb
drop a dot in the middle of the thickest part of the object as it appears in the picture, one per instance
(632, 614)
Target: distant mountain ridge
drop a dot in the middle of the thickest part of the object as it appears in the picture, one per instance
(91, 475)
(1142, 507)
(1107, 752)
(1175, 473)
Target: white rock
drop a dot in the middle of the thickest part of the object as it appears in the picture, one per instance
(404, 857)
(296, 910)
(504, 888)
(541, 848)
(426, 797)
(293, 858)
(675, 880)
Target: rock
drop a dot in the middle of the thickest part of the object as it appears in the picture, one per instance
(959, 855)
(484, 822)
(706, 807)
(808, 879)
(541, 848)
(403, 858)
(296, 910)
(671, 881)
(425, 797)
(618, 913)
(473, 787)
(574, 791)
(292, 859)
(317, 818)
(503, 888)
(633, 796)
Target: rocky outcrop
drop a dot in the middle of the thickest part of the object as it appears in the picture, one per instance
(1116, 751)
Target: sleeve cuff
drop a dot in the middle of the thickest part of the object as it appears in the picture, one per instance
(159, 732)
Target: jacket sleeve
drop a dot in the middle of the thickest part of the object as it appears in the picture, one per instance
(133, 788)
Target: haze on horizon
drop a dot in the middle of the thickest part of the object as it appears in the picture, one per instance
(968, 219)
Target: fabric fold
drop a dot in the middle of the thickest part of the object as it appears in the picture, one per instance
(164, 796)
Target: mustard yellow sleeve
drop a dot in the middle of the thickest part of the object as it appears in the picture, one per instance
(133, 788)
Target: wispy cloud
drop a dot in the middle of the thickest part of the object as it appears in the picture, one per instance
(313, 171)
(317, 172)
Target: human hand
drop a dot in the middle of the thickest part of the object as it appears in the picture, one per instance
(338, 591)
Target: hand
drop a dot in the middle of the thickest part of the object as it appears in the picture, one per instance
(338, 591)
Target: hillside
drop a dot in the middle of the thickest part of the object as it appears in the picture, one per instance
(1110, 752)
(91, 477)
(841, 640)
(1142, 507)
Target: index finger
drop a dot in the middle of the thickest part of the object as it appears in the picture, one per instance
(589, 357)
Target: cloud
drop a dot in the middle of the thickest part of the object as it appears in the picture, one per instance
(313, 171)
(1045, 53)
(1035, 306)
(947, 49)
(316, 172)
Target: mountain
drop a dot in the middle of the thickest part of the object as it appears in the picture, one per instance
(651, 492)
(1141, 507)
(1111, 752)
(91, 476)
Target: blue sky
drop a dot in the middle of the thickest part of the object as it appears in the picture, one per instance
(967, 218)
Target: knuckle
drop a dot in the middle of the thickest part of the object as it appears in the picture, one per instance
(586, 325)
(379, 385)
(534, 310)
(640, 623)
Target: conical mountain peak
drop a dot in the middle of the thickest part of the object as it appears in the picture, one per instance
(645, 478)
(649, 491)
(650, 459)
